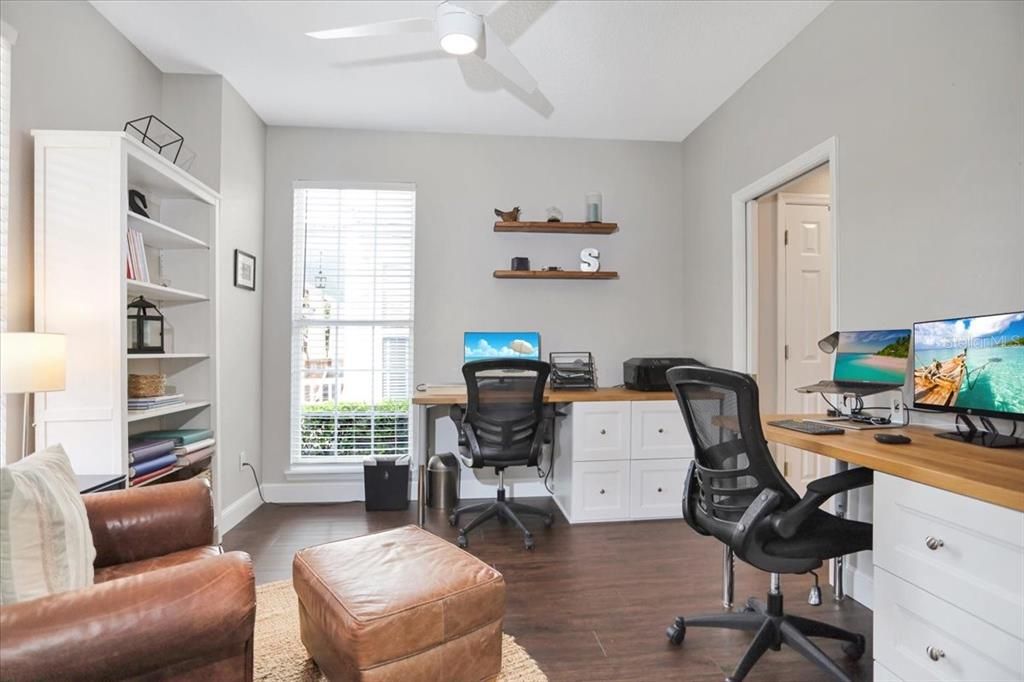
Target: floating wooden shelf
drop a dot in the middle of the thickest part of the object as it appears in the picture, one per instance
(557, 228)
(168, 356)
(555, 274)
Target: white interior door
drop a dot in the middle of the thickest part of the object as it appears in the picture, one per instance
(805, 314)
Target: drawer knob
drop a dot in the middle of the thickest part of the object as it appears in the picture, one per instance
(935, 653)
(659, 490)
(933, 543)
(661, 430)
(603, 432)
(602, 491)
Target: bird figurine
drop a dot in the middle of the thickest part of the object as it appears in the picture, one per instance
(508, 216)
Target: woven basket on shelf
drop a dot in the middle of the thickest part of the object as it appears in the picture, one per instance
(146, 385)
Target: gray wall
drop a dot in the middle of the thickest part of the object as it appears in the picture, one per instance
(70, 69)
(459, 180)
(927, 102)
(242, 169)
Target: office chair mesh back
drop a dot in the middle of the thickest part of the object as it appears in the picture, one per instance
(505, 410)
(732, 460)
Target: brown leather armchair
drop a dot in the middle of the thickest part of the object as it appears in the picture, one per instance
(167, 603)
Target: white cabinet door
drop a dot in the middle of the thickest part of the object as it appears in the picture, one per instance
(968, 552)
(600, 431)
(658, 431)
(600, 491)
(918, 636)
(656, 488)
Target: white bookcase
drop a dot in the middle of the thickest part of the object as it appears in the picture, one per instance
(81, 290)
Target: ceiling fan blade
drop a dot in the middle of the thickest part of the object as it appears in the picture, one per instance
(382, 28)
(497, 55)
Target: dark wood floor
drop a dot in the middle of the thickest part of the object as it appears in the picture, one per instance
(591, 602)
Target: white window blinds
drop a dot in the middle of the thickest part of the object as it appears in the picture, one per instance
(352, 315)
(7, 38)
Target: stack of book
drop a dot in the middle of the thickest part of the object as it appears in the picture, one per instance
(191, 446)
(150, 458)
(138, 268)
(143, 404)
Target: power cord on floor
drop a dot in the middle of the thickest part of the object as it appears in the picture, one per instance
(256, 478)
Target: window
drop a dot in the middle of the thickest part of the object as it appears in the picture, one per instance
(7, 38)
(352, 302)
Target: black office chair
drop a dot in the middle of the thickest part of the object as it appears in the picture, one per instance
(735, 492)
(505, 424)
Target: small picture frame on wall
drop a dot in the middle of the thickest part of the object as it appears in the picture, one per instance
(245, 270)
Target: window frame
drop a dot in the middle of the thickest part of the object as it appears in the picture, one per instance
(8, 37)
(317, 464)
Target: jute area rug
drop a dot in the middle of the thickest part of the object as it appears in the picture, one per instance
(280, 657)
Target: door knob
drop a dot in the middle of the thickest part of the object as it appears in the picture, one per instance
(661, 430)
(603, 432)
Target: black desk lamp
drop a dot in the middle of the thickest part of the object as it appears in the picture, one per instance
(829, 343)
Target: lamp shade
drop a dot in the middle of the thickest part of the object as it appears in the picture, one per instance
(829, 343)
(31, 362)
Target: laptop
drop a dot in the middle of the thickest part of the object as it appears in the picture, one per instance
(867, 362)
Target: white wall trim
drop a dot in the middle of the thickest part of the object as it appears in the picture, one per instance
(235, 513)
(349, 488)
(860, 586)
(744, 280)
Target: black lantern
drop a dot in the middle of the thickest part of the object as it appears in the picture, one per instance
(145, 327)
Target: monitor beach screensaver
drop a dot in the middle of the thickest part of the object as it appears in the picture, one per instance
(971, 363)
(493, 345)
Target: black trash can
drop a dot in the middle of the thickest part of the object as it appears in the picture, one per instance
(386, 482)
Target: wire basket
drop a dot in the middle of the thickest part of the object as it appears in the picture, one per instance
(146, 385)
(573, 370)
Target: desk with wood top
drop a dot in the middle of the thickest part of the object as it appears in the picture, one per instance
(432, 403)
(994, 475)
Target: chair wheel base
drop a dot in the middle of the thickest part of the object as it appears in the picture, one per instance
(854, 650)
(528, 543)
(462, 541)
(676, 632)
(549, 520)
(452, 520)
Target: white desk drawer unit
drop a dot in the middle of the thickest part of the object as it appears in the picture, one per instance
(949, 584)
(600, 431)
(657, 431)
(622, 460)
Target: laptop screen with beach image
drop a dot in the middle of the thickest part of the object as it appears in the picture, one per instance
(873, 356)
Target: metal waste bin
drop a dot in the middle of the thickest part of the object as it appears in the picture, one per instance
(443, 481)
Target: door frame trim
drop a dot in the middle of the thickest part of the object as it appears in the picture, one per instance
(784, 200)
(744, 261)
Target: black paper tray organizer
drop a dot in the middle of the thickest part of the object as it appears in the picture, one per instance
(575, 370)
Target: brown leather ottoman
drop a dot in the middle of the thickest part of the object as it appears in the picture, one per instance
(399, 606)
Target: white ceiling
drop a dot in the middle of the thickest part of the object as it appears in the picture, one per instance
(639, 70)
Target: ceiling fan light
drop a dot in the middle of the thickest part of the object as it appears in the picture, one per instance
(458, 43)
(460, 30)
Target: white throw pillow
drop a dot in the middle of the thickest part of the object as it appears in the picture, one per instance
(45, 541)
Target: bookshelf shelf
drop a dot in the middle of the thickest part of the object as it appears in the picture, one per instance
(168, 356)
(555, 274)
(164, 411)
(160, 294)
(159, 236)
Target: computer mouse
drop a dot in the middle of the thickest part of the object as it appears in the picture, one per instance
(892, 438)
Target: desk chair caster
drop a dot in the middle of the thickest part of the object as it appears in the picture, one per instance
(463, 541)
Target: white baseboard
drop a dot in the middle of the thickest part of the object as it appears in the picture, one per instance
(234, 513)
(860, 586)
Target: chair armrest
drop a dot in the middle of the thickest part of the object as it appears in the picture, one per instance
(750, 524)
(142, 523)
(788, 522)
(132, 626)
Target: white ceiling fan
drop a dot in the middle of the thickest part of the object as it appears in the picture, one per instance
(461, 33)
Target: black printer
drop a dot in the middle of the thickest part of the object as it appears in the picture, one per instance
(648, 374)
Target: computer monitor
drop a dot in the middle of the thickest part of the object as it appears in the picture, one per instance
(878, 356)
(971, 365)
(495, 345)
